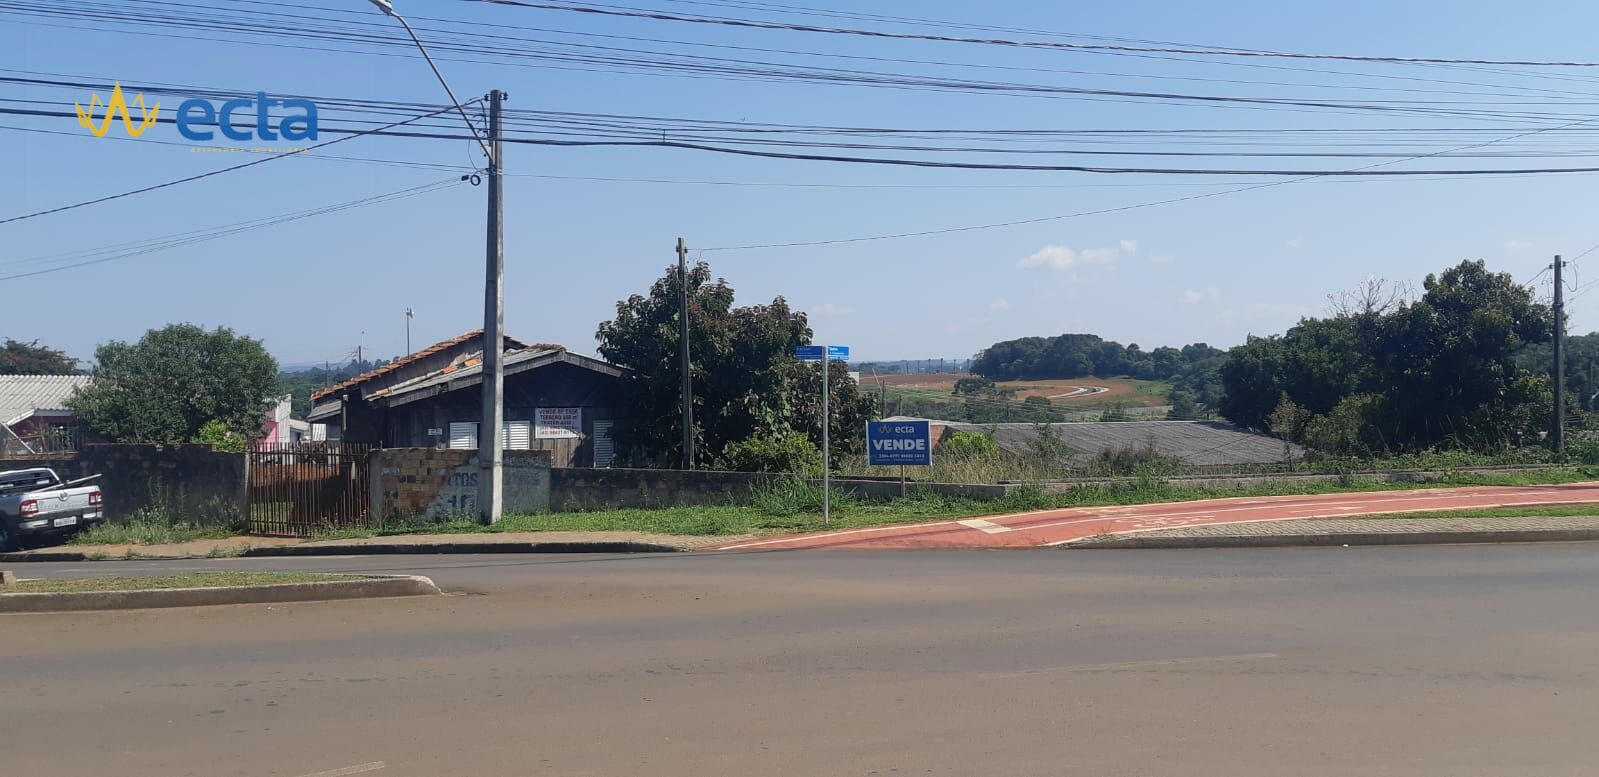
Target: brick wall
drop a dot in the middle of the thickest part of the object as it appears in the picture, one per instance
(438, 483)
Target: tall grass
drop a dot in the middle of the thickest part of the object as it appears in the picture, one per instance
(166, 519)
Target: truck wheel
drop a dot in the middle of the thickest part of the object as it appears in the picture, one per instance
(8, 539)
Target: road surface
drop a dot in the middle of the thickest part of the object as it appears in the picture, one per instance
(1410, 662)
(1059, 527)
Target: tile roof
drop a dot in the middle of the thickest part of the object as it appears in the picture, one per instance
(511, 343)
(23, 395)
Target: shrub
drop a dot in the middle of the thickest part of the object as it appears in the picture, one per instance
(969, 446)
(773, 453)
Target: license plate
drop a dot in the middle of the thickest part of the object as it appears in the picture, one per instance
(71, 521)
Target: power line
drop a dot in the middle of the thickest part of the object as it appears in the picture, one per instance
(1174, 200)
(622, 11)
(252, 163)
(139, 248)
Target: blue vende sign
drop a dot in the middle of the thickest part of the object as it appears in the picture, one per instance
(899, 442)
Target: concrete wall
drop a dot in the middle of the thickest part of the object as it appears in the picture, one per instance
(190, 480)
(438, 483)
(578, 488)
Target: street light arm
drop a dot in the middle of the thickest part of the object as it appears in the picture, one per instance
(387, 8)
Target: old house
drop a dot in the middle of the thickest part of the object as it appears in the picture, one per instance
(555, 400)
(34, 413)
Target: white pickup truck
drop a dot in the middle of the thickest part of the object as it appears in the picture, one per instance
(36, 503)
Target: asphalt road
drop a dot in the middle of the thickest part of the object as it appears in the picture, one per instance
(1444, 661)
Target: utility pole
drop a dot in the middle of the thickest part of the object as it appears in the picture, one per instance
(827, 464)
(1560, 357)
(684, 364)
(408, 314)
(491, 430)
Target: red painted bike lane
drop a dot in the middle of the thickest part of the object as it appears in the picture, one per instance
(1058, 527)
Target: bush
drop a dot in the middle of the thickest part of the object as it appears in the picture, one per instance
(969, 446)
(217, 435)
(791, 496)
(773, 453)
(1143, 460)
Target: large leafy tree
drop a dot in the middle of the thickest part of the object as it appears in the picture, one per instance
(746, 381)
(166, 387)
(19, 358)
(1405, 375)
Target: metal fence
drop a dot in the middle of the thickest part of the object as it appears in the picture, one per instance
(296, 490)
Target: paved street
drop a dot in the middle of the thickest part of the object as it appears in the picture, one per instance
(1443, 661)
(1058, 527)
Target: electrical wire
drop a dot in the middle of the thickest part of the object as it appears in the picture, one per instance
(126, 250)
(623, 11)
(208, 174)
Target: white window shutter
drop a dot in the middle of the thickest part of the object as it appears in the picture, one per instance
(463, 435)
(518, 435)
(604, 448)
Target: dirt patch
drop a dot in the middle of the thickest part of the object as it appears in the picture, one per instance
(1125, 390)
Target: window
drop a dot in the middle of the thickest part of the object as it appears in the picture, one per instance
(463, 435)
(516, 436)
(604, 449)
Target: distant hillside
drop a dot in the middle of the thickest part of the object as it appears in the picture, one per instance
(1083, 355)
(301, 383)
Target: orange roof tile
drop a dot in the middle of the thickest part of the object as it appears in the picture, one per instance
(511, 344)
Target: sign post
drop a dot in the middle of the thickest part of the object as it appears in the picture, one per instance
(906, 443)
(824, 354)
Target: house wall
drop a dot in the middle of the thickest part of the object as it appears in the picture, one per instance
(438, 483)
(555, 385)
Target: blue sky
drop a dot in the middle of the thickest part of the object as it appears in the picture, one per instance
(1208, 270)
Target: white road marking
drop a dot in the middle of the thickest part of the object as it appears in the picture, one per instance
(984, 526)
(348, 770)
(1111, 667)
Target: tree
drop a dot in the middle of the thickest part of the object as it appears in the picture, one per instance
(19, 358)
(167, 386)
(746, 381)
(1439, 370)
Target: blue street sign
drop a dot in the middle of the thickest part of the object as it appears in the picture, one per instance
(813, 353)
(899, 442)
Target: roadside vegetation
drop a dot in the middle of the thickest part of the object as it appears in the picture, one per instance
(165, 520)
(795, 505)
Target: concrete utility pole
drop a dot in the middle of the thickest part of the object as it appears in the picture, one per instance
(827, 462)
(1560, 357)
(491, 431)
(684, 363)
(408, 314)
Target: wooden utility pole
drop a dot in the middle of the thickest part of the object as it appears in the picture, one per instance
(684, 365)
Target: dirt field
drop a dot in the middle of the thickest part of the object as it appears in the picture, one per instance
(1128, 391)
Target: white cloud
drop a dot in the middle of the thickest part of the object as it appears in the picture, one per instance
(999, 304)
(1517, 246)
(1193, 297)
(829, 310)
(1056, 257)
(1297, 242)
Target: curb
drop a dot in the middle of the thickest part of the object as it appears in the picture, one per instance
(52, 555)
(363, 588)
(384, 549)
(388, 549)
(1334, 540)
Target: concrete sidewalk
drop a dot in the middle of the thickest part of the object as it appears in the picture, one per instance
(1312, 532)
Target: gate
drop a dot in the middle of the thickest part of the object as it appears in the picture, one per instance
(296, 490)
